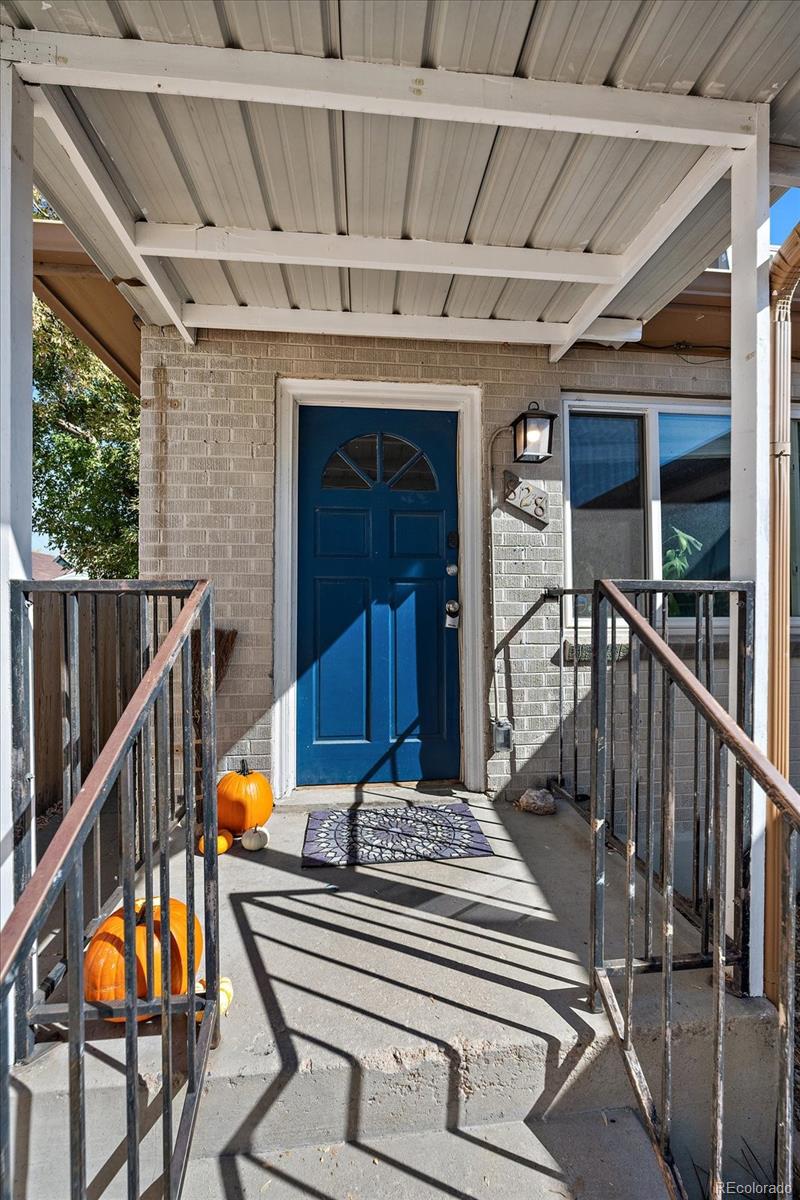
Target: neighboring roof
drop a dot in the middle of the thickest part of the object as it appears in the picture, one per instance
(68, 282)
(698, 320)
(230, 163)
(50, 566)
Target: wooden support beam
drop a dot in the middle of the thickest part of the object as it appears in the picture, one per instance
(374, 253)
(51, 105)
(17, 827)
(16, 352)
(125, 64)
(784, 165)
(456, 329)
(750, 482)
(707, 171)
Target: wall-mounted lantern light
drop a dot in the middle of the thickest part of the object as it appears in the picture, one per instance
(533, 435)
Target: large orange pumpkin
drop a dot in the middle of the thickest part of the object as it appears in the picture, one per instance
(244, 799)
(104, 962)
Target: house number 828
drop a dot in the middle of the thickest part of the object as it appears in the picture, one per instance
(533, 500)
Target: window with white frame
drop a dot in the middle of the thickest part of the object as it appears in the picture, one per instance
(648, 490)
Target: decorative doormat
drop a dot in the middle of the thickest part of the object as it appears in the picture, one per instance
(370, 836)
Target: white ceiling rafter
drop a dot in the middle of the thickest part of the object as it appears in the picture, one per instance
(374, 253)
(265, 77)
(297, 80)
(459, 329)
(707, 171)
(50, 105)
(784, 165)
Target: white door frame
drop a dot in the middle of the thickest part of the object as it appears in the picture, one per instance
(431, 397)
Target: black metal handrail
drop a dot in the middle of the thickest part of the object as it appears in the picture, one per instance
(134, 767)
(107, 630)
(724, 733)
(696, 627)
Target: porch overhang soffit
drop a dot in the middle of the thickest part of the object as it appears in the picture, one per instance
(189, 268)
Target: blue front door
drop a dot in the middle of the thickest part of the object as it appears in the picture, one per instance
(377, 668)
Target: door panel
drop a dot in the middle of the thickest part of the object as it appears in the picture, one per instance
(378, 684)
(342, 612)
(417, 535)
(416, 607)
(342, 534)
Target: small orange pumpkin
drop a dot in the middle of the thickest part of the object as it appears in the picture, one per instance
(244, 799)
(224, 842)
(104, 962)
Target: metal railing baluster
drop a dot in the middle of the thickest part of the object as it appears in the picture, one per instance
(667, 927)
(786, 1004)
(171, 691)
(696, 818)
(162, 814)
(76, 1031)
(75, 922)
(22, 798)
(119, 699)
(744, 788)
(612, 766)
(650, 817)
(5, 1086)
(632, 819)
(720, 899)
(561, 690)
(131, 970)
(94, 734)
(664, 606)
(208, 738)
(189, 820)
(575, 692)
(74, 693)
(709, 780)
(146, 784)
(598, 787)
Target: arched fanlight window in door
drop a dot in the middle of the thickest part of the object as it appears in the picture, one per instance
(379, 458)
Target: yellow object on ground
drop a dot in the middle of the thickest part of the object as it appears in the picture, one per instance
(224, 842)
(225, 995)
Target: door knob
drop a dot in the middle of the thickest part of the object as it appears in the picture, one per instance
(452, 611)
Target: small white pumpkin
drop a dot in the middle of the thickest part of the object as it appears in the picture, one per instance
(255, 839)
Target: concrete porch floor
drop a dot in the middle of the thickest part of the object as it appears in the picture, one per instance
(419, 1001)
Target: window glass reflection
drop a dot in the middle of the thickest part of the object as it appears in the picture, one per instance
(606, 464)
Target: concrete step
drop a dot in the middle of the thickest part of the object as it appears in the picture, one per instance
(602, 1155)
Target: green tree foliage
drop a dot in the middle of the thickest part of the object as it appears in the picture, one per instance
(85, 454)
(42, 208)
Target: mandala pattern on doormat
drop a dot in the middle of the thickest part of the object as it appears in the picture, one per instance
(375, 835)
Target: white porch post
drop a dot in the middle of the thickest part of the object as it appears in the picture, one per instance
(16, 288)
(750, 464)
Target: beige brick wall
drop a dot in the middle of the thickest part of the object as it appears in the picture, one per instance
(207, 494)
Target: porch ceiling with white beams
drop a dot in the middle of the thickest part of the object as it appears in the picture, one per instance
(505, 170)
